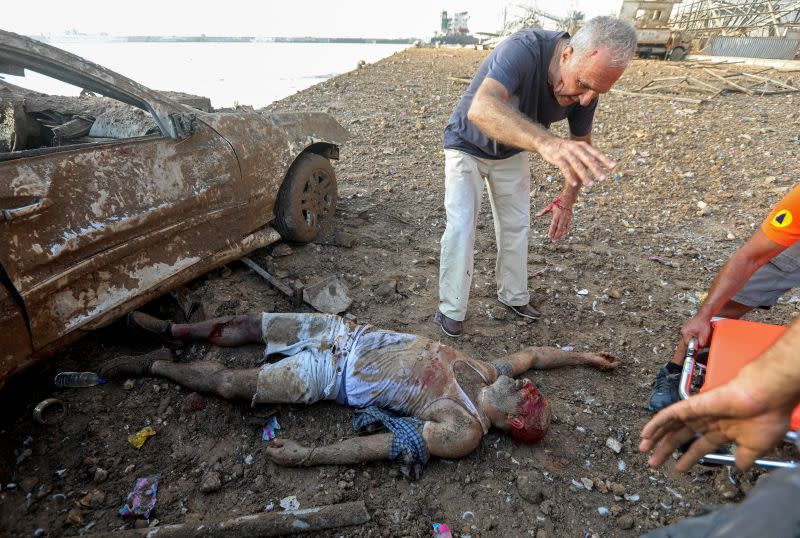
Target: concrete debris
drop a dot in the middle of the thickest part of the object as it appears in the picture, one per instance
(328, 295)
(614, 445)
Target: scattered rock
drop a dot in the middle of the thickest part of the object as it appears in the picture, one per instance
(94, 499)
(625, 522)
(386, 288)
(588, 483)
(547, 507)
(529, 487)
(617, 489)
(600, 486)
(74, 517)
(280, 250)
(100, 475)
(498, 312)
(328, 295)
(290, 503)
(614, 445)
(129, 384)
(211, 482)
(614, 293)
(724, 486)
(25, 454)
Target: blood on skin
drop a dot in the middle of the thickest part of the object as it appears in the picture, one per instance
(535, 412)
(181, 333)
(434, 375)
(216, 331)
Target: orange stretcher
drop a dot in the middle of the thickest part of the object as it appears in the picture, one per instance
(734, 344)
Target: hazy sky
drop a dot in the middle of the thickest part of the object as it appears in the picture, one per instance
(355, 18)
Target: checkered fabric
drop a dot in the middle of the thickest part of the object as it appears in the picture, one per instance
(407, 444)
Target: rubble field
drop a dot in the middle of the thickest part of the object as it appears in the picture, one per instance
(693, 182)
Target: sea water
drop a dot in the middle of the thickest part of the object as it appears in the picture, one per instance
(255, 74)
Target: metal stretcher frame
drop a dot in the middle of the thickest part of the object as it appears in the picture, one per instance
(762, 337)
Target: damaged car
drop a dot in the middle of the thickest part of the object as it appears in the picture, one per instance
(113, 198)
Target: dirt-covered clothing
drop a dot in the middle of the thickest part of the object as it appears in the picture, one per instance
(359, 366)
(508, 182)
(520, 64)
(782, 225)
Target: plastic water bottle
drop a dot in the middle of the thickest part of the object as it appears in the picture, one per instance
(77, 379)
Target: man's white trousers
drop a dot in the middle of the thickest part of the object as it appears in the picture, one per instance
(508, 182)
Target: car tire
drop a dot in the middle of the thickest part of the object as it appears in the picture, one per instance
(677, 54)
(306, 199)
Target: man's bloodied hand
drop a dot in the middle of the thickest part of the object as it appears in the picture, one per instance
(602, 361)
(287, 452)
(578, 161)
(562, 218)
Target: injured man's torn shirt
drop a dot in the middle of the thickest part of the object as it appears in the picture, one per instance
(407, 374)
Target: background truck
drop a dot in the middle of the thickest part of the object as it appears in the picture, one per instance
(655, 35)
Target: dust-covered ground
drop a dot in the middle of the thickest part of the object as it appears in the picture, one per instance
(598, 289)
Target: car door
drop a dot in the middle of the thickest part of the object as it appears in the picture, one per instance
(114, 220)
(15, 340)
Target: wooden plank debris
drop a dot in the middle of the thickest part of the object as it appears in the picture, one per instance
(728, 82)
(677, 98)
(306, 520)
(462, 80)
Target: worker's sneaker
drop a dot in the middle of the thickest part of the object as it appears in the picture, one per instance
(133, 366)
(157, 331)
(665, 387)
(450, 327)
(525, 311)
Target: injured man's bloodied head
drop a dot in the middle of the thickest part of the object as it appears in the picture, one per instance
(518, 407)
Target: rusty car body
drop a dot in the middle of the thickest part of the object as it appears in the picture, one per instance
(92, 230)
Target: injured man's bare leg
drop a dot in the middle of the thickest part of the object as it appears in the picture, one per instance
(210, 377)
(279, 384)
(229, 331)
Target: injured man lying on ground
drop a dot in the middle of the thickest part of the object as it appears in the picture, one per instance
(432, 399)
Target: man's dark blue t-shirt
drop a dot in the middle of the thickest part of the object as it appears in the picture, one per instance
(520, 64)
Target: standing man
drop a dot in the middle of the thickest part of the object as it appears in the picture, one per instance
(762, 270)
(533, 78)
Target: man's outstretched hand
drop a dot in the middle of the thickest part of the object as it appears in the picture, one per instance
(578, 161)
(562, 218)
(731, 413)
(287, 452)
(602, 361)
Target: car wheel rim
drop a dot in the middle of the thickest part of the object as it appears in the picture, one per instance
(317, 198)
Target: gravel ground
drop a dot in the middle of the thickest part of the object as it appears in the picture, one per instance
(693, 183)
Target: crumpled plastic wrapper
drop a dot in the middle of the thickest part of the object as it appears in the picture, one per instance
(142, 499)
(137, 439)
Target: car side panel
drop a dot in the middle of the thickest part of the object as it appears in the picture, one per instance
(119, 219)
(14, 339)
(263, 152)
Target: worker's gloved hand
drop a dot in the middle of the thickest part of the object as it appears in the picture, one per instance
(698, 327)
(288, 452)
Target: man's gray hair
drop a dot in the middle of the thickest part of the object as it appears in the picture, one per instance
(609, 33)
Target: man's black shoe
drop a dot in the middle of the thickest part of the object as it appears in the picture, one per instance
(665, 390)
(450, 327)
